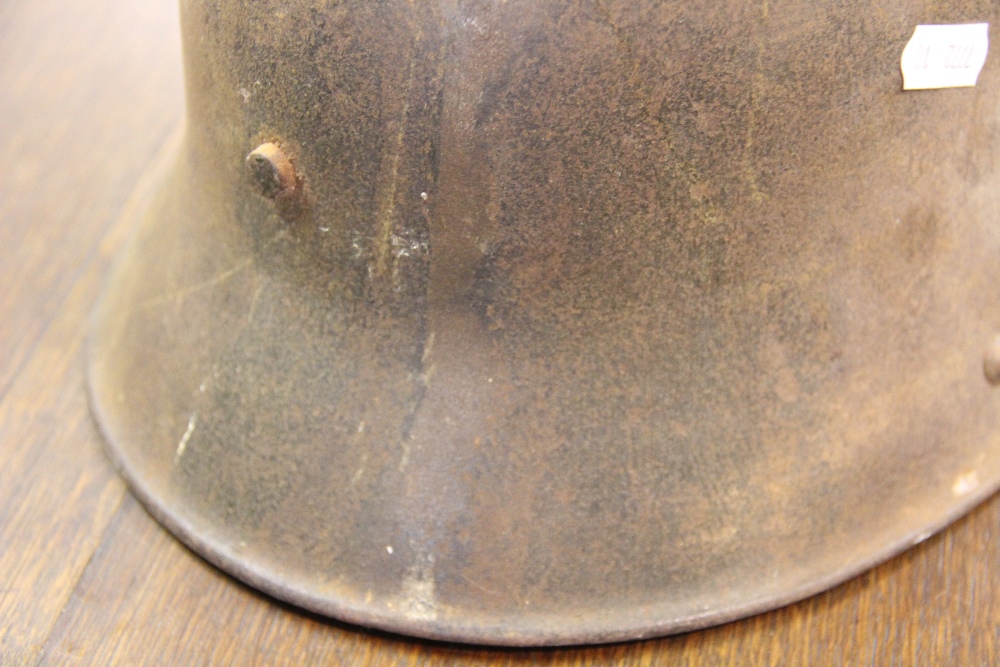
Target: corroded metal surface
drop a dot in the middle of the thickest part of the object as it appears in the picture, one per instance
(564, 322)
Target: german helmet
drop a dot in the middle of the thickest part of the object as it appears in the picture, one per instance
(537, 322)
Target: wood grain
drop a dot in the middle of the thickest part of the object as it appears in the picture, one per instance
(89, 92)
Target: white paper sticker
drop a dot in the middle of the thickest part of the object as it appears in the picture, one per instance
(945, 56)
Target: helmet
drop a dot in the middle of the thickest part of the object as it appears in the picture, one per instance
(544, 322)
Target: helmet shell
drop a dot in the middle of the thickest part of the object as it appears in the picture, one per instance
(572, 322)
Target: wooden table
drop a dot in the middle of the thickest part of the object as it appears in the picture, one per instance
(89, 93)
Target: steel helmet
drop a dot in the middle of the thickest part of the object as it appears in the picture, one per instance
(544, 322)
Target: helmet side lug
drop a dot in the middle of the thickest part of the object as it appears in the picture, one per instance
(271, 171)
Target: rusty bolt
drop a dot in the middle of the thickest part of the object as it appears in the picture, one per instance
(271, 170)
(991, 362)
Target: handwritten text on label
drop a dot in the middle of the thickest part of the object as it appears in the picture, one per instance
(945, 56)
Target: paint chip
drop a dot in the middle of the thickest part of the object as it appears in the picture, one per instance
(182, 445)
(965, 483)
(418, 592)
